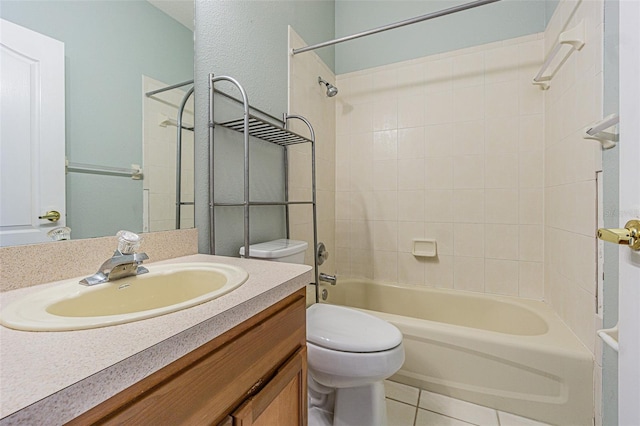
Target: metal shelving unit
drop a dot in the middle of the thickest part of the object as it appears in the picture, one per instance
(272, 130)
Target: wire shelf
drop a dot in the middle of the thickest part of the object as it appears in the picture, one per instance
(266, 131)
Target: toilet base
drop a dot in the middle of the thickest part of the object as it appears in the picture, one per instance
(357, 406)
(363, 405)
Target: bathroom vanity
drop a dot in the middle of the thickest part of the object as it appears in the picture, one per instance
(239, 359)
(249, 374)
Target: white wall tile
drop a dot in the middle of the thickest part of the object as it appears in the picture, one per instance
(385, 114)
(501, 277)
(385, 266)
(443, 234)
(501, 206)
(530, 206)
(385, 235)
(469, 240)
(438, 271)
(468, 172)
(502, 100)
(531, 243)
(531, 280)
(468, 103)
(410, 269)
(438, 140)
(468, 70)
(411, 143)
(468, 138)
(385, 205)
(438, 205)
(385, 146)
(501, 242)
(501, 64)
(411, 111)
(407, 231)
(468, 274)
(501, 171)
(439, 107)
(411, 206)
(501, 136)
(531, 133)
(385, 175)
(411, 175)
(438, 172)
(468, 206)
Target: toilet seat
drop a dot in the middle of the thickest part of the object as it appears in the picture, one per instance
(348, 330)
(350, 369)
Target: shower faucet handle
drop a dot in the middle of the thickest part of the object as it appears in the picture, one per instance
(331, 279)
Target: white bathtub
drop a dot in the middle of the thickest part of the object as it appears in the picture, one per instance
(510, 354)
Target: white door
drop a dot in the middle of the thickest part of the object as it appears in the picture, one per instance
(32, 180)
(629, 311)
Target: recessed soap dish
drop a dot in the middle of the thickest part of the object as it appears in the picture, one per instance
(424, 247)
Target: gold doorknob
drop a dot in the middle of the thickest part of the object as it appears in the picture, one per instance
(628, 236)
(51, 215)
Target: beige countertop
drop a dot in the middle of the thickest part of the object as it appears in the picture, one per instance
(52, 377)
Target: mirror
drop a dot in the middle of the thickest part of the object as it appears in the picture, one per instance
(115, 52)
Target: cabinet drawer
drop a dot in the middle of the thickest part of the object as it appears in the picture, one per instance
(209, 383)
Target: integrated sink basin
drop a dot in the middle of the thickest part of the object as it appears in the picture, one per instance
(166, 288)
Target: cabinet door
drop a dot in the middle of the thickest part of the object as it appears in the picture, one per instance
(283, 401)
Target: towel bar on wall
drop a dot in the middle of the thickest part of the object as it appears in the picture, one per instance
(135, 172)
(574, 39)
(596, 131)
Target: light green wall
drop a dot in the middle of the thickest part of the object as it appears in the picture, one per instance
(109, 45)
(497, 21)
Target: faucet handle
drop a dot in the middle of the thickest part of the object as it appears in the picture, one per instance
(128, 242)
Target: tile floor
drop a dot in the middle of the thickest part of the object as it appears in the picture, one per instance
(409, 406)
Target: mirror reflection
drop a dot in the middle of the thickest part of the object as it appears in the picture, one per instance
(120, 145)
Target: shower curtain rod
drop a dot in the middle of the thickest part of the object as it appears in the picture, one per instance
(399, 24)
(164, 89)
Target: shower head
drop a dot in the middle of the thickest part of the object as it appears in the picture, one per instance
(331, 89)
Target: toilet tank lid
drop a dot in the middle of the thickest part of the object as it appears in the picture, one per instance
(349, 330)
(275, 249)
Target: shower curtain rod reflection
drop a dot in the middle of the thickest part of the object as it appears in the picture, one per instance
(399, 24)
(164, 89)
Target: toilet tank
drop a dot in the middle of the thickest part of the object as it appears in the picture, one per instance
(283, 250)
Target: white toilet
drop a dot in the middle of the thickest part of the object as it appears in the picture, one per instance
(349, 354)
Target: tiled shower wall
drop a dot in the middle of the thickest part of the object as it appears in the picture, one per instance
(573, 102)
(448, 147)
(308, 98)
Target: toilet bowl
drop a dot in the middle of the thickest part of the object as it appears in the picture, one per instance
(349, 355)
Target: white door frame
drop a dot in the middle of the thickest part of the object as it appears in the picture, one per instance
(629, 308)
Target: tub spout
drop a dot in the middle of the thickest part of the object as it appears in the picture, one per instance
(331, 279)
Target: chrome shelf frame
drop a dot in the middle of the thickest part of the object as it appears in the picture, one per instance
(250, 125)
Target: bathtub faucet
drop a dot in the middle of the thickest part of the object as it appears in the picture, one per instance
(331, 279)
(125, 262)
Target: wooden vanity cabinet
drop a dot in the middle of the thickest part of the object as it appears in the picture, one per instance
(254, 374)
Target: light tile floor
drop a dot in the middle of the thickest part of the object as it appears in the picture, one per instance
(409, 406)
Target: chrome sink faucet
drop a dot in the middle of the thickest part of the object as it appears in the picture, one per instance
(125, 262)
